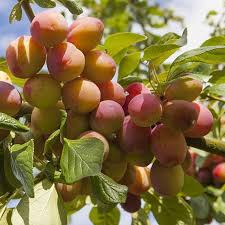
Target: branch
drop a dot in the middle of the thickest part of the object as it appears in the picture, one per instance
(210, 145)
(27, 8)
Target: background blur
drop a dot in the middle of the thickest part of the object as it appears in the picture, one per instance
(194, 15)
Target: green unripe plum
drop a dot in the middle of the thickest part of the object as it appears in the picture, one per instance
(46, 120)
(115, 165)
(42, 91)
(86, 33)
(68, 191)
(107, 118)
(203, 124)
(81, 96)
(25, 57)
(137, 179)
(168, 145)
(49, 28)
(145, 110)
(99, 66)
(76, 124)
(183, 88)
(93, 134)
(5, 77)
(132, 204)
(134, 139)
(65, 62)
(142, 159)
(179, 114)
(112, 91)
(10, 99)
(167, 181)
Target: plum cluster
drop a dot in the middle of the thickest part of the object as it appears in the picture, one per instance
(134, 124)
(210, 172)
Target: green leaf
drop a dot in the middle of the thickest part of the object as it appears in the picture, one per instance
(72, 5)
(6, 217)
(119, 56)
(218, 208)
(128, 64)
(9, 123)
(140, 218)
(16, 13)
(107, 190)
(45, 207)
(99, 218)
(22, 165)
(200, 206)
(114, 43)
(45, 3)
(218, 77)
(214, 41)
(51, 141)
(217, 89)
(192, 187)
(169, 210)
(75, 205)
(131, 79)
(208, 54)
(165, 47)
(81, 158)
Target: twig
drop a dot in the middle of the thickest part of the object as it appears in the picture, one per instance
(210, 145)
(27, 8)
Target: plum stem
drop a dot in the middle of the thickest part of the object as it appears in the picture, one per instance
(27, 8)
(210, 145)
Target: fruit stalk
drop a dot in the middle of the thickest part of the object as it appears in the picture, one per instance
(27, 8)
(210, 145)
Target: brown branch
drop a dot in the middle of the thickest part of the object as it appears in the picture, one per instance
(27, 8)
(210, 145)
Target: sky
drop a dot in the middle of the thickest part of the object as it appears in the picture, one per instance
(193, 11)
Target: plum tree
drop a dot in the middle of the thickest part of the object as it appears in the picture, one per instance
(219, 173)
(132, 204)
(25, 57)
(137, 179)
(112, 91)
(183, 88)
(10, 99)
(168, 145)
(203, 124)
(115, 165)
(42, 91)
(65, 62)
(49, 28)
(166, 181)
(132, 138)
(145, 110)
(76, 124)
(46, 120)
(99, 66)
(80, 95)
(107, 118)
(133, 90)
(86, 33)
(179, 114)
(90, 134)
(5, 77)
(68, 191)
